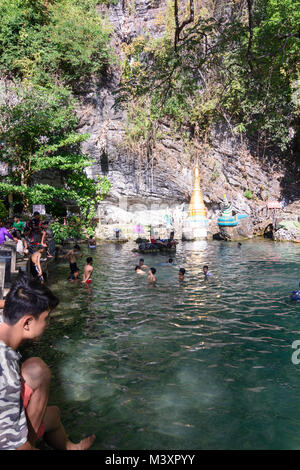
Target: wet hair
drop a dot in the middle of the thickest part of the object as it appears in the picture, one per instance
(205, 266)
(170, 260)
(153, 270)
(27, 297)
(182, 270)
(141, 259)
(89, 259)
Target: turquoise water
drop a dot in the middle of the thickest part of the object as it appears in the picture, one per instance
(198, 364)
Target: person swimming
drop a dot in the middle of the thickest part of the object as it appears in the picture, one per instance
(151, 276)
(295, 295)
(74, 276)
(181, 273)
(205, 271)
(142, 265)
(138, 270)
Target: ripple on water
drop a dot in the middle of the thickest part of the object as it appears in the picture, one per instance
(198, 364)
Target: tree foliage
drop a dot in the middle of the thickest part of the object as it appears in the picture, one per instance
(47, 47)
(63, 40)
(239, 64)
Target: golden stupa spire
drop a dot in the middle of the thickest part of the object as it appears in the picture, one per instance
(197, 206)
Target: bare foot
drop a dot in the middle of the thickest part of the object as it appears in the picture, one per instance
(82, 445)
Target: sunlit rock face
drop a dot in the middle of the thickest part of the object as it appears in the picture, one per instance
(154, 192)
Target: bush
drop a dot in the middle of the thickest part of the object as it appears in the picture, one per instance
(248, 194)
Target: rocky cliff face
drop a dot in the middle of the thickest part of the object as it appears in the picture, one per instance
(156, 191)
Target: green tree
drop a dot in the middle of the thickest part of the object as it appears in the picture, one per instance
(53, 41)
(37, 133)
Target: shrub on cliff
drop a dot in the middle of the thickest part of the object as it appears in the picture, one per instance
(55, 41)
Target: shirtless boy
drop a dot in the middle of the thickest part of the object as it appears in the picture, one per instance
(87, 272)
(24, 412)
(151, 276)
(72, 256)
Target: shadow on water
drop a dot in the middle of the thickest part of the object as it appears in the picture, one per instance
(199, 364)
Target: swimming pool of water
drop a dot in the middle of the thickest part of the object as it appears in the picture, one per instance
(198, 364)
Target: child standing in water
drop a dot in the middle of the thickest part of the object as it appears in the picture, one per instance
(138, 270)
(151, 276)
(87, 272)
(92, 242)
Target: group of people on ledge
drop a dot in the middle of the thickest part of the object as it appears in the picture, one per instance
(28, 235)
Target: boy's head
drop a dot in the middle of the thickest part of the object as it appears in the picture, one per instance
(181, 272)
(29, 301)
(141, 262)
(89, 260)
(170, 260)
(18, 234)
(137, 268)
(36, 215)
(76, 247)
(153, 270)
(205, 269)
(16, 218)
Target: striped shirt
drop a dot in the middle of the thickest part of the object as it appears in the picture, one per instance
(13, 424)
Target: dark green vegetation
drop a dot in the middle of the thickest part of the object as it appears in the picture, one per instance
(46, 48)
(232, 61)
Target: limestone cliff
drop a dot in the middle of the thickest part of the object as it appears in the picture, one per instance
(155, 191)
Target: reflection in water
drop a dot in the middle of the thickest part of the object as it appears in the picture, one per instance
(200, 364)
